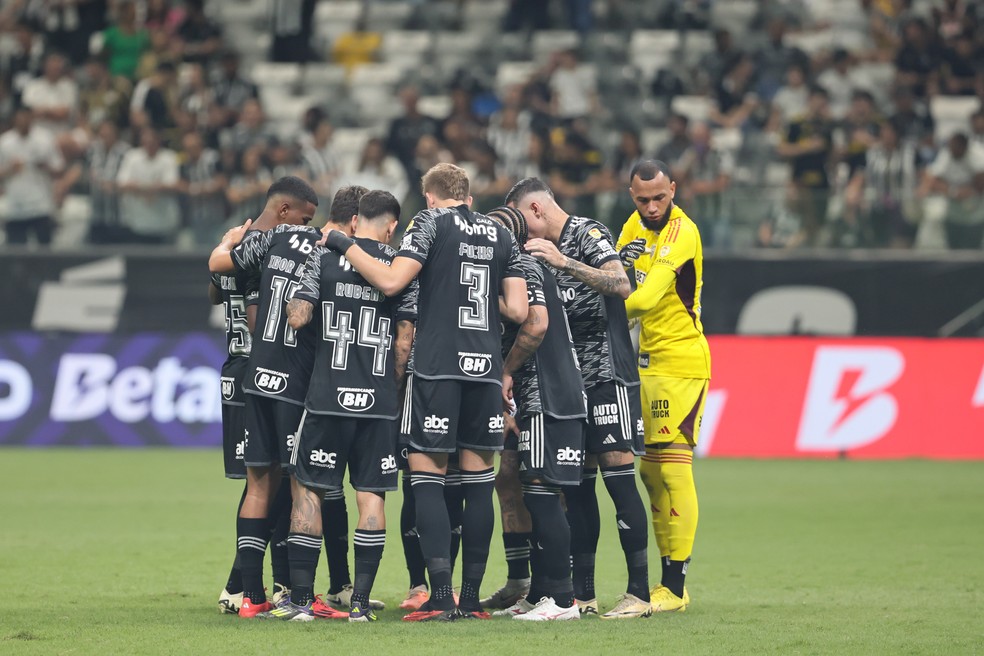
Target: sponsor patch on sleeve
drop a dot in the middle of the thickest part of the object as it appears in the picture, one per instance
(595, 232)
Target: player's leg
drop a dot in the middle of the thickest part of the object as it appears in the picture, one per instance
(412, 555)
(373, 473)
(552, 458)
(479, 438)
(616, 460)
(233, 446)
(263, 475)
(455, 500)
(659, 497)
(585, 521)
(279, 517)
(232, 595)
(675, 459)
(516, 530)
(334, 524)
(432, 424)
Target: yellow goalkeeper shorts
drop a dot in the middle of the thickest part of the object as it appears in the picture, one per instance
(672, 409)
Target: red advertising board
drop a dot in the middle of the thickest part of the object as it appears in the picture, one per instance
(858, 397)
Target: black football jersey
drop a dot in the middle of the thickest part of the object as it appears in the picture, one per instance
(549, 381)
(465, 256)
(281, 359)
(599, 325)
(353, 364)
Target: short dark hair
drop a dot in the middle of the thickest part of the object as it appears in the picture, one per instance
(294, 187)
(345, 204)
(648, 169)
(378, 203)
(524, 188)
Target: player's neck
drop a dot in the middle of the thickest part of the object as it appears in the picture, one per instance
(447, 202)
(266, 221)
(556, 221)
(368, 232)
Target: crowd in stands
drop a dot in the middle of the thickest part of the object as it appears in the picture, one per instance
(791, 128)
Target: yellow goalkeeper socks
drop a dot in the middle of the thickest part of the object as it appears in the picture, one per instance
(676, 470)
(659, 499)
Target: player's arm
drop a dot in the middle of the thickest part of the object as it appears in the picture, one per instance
(528, 340)
(299, 312)
(214, 293)
(390, 279)
(300, 307)
(608, 278)
(401, 349)
(515, 304)
(648, 294)
(220, 261)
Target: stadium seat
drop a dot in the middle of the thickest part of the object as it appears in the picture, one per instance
(350, 142)
(377, 102)
(547, 42)
(435, 106)
(812, 42)
(510, 73)
(695, 108)
(323, 75)
(952, 110)
(272, 74)
(733, 15)
(284, 108)
(727, 139)
(385, 73)
(652, 138)
(406, 45)
(387, 16)
(649, 41)
(337, 11)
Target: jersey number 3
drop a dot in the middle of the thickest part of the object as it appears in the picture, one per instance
(475, 315)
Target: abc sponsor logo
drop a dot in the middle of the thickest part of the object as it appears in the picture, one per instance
(496, 423)
(322, 458)
(568, 456)
(356, 400)
(388, 464)
(475, 364)
(435, 424)
(228, 388)
(271, 382)
(605, 414)
(290, 442)
(240, 449)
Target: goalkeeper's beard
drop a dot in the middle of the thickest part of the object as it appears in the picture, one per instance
(661, 222)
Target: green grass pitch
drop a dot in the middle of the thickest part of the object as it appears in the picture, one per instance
(125, 552)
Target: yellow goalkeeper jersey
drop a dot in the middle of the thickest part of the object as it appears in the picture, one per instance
(669, 278)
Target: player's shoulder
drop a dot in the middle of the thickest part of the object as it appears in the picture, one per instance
(377, 249)
(588, 231)
(632, 228)
(531, 268)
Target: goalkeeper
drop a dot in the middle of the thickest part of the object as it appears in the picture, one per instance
(663, 245)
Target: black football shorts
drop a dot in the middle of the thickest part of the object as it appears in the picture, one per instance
(615, 419)
(271, 429)
(328, 444)
(551, 450)
(447, 415)
(234, 440)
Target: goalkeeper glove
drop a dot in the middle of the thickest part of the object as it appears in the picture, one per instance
(631, 252)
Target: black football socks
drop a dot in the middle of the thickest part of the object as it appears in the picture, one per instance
(585, 523)
(552, 533)
(408, 532)
(334, 527)
(633, 525)
(305, 551)
(477, 525)
(368, 552)
(434, 533)
(251, 540)
(517, 546)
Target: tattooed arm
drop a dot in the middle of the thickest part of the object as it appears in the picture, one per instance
(608, 279)
(401, 349)
(528, 340)
(299, 312)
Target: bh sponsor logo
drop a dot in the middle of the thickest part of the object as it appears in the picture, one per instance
(474, 364)
(322, 458)
(228, 388)
(568, 456)
(356, 399)
(269, 381)
(435, 424)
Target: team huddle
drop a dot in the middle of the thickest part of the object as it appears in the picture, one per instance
(506, 332)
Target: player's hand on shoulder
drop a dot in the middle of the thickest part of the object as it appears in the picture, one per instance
(235, 235)
(631, 252)
(546, 251)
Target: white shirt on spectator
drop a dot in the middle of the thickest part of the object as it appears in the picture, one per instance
(573, 89)
(958, 173)
(40, 93)
(29, 193)
(790, 102)
(158, 214)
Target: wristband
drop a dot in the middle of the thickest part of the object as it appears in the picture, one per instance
(338, 241)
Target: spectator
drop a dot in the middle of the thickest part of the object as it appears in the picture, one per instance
(54, 96)
(231, 89)
(527, 14)
(573, 87)
(914, 122)
(99, 169)
(703, 174)
(509, 134)
(860, 130)
(405, 132)
(246, 193)
(575, 173)
(839, 81)
(880, 197)
(679, 140)
(162, 16)
(918, 60)
(22, 62)
(321, 161)
(961, 71)
(197, 99)
(462, 111)
(147, 182)
(458, 138)
(155, 100)
(292, 26)
(125, 42)
(284, 159)
(429, 153)
(791, 98)
(249, 130)
(957, 176)
(104, 97)
(539, 157)
(736, 102)
(200, 37)
(489, 183)
(358, 46)
(70, 24)
(977, 127)
(807, 146)
(713, 65)
(202, 184)
(378, 170)
(164, 48)
(774, 58)
(29, 163)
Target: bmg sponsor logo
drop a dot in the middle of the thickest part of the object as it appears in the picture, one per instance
(322, 458)
(269, 381)
(475, 364)
(355, 399)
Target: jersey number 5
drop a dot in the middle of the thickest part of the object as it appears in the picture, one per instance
(475, 316)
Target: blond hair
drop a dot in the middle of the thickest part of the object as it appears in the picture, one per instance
(446, 181)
